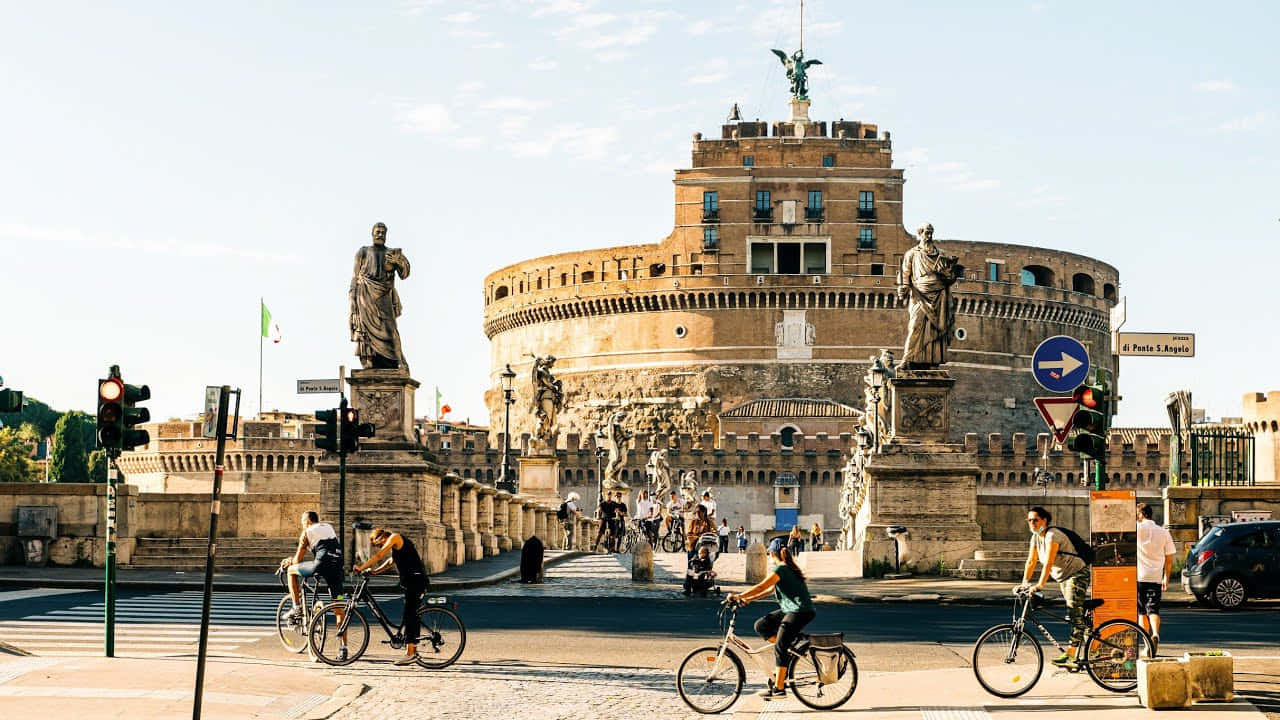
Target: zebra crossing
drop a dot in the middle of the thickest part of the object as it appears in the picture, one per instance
(152, 625)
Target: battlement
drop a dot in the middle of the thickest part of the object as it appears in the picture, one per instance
(1262, 411)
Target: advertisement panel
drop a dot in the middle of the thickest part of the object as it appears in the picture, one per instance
(1113, 533)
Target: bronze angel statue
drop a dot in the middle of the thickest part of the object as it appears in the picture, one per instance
(797, 72)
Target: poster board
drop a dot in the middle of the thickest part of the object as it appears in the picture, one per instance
(1113, 533)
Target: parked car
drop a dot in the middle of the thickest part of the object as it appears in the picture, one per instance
(1233, 563)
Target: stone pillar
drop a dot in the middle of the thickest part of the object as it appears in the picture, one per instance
(540, 476)
(501, 520)
(468, 501)
(515, 522)
(450, 490)
(484, 519)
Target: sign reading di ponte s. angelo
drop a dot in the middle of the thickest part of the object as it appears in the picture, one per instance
(1157, 344)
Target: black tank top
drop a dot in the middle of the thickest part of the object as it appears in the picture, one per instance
(409, 563)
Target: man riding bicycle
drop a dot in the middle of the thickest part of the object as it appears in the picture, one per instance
(320, 538)
(394, 548)
(795, 610)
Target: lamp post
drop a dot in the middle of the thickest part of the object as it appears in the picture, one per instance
(505, 479)
(601, 451)
(879, 373)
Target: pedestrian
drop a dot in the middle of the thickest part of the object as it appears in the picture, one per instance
(815, 537)
(724, 535)
(643, 506)
(709, 504)
(1155, 562)
(699, 526)
(1061, 560)
(651, 522)
(782, 626)
(619, 521)
(568, 514)
(795, 541)
(394, 548)
(604, 513)
(742, 539)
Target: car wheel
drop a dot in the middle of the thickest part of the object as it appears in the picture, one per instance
(1228, 592)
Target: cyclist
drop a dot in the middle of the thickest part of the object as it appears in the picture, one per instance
(1062, 562)
(395, 548)
(795, 610)
(320, 538)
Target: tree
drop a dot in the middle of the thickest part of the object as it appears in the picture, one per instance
(15, 463)
(70, 462)
(98, 466)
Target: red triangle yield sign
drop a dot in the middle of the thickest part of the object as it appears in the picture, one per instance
(1058, 414)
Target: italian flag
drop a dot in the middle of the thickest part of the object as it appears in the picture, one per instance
(270, 329)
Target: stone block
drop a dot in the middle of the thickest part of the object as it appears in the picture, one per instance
(757, 563)
(1162, 683)
(1210, 677)
(642, 563)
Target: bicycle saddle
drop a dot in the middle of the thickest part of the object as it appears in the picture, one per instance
(1093, 604)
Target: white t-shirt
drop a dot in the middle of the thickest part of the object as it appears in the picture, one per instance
(724, 531)
(710, 505)
(316, 532)
(642, 509)
(1154, 543)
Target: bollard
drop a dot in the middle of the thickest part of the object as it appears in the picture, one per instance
(757, 563)
(642, 562)
(531, 554)
(1162, 683)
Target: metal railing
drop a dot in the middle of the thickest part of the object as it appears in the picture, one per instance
(1222, 457)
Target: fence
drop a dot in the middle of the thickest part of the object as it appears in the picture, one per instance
(1222, 458)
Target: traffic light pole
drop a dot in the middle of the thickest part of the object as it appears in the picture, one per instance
(342, 479)
(215, 507)
(109, 611)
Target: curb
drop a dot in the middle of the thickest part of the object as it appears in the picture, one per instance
(272, 586)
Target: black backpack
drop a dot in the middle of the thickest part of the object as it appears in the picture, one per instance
(563, 512)
(1084, 550)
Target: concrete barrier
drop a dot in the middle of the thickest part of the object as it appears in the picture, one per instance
(642, 562)
(757, 562)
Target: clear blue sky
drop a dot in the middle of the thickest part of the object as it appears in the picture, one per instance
(193, 158)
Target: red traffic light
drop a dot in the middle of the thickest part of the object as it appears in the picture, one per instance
(110, 390)
(1085, 396)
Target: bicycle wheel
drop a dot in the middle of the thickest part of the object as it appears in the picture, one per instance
(1112, 652)
(442, 639)
(709, 682)
(292, 631)
(328, 627)
(1007, 661)
(667, 543)
(806, 674)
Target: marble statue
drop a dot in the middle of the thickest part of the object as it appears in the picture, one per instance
(616, 437)
(660, 471)
(925, 281)
(375, 304)
(548, 396)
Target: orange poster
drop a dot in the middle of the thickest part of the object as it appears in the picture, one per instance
(1113, 533)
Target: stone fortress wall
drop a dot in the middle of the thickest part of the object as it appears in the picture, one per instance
(684, 329)
(1261, 416)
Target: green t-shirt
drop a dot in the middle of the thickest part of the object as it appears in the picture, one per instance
(791, 592)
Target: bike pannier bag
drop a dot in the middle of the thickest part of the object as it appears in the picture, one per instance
(827, 656)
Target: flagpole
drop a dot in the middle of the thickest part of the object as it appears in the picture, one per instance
(261, 304)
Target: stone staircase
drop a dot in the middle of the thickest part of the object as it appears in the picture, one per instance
(233, 553)
(995, 560)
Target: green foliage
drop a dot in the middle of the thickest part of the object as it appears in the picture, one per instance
(98, 466)
(1214, 653)
(940, 567)
(69, 461)
(15, 465)
(876, 568)
(38, 414)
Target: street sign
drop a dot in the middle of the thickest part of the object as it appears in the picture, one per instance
(316, 387)
(209, 428)
(1157, 344)
(1058, 414)
(1060, 363)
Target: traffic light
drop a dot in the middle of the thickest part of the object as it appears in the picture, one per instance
(135, 416)
(110, 414)
(327, 430)
(10, 401)
(1091, 421)
(353, 430)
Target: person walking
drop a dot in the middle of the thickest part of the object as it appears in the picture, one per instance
(1155, 562)
(604, 513)
(795, 611)
(795, 541)
(619, 526)
(815, 537)
(395, 549)
(742, 539)
(1061, 560)
(568, 514)
(724, 535)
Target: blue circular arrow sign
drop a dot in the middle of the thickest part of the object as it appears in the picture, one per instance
(1060, 364)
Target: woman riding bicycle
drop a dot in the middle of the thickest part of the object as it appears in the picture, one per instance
(393, 548)
(783, 625)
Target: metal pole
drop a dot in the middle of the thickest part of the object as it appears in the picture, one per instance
(215, 507)
(342, 478)
(261, 306)
(507, 481)
(109, 617)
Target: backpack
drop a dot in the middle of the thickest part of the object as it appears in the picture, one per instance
(1084, 550)
(563, 512)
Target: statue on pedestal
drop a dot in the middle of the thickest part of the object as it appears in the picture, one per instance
(925, 281)
(660, 471)
(375, 304)
(616, 437)
(797, 72)
(548, 396)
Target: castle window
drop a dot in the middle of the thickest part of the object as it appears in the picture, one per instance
(748, 161)
(710, 239)
(1082, 283)
(877, 268)
(539, 283)
(866, 205)
(788, 434)
(813, 210)
(761, 257)
(866, 239)
(710, 206)
(763, 210)
(501, 292)
(789, 258)
(1037, 275)
(564, 279)
(993, 270)
(828, 161)
(815, 258)
(588, 276)
(657, 269)
(623, 275)
(1109, 292)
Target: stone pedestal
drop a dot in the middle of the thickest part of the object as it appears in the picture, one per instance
(799, 110)
(540, 477)
(388, 482)
(920, 481)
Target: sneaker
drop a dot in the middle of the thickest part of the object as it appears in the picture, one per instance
(408, 660)
(1155, 644)
(771, 693)
(1065, 660)
(342, 654)
(294, 616)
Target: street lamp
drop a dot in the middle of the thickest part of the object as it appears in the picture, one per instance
(505, 479)
(601, 451)
(879, 373)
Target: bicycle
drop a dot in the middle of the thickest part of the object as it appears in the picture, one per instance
(292, 628)
(673, 540)
(440, 641)
(822, 673)
(635, 533)
(1008, 661)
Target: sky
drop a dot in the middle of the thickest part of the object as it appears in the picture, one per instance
(166, 165)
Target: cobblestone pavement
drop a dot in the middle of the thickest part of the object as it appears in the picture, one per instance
(516, 690)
